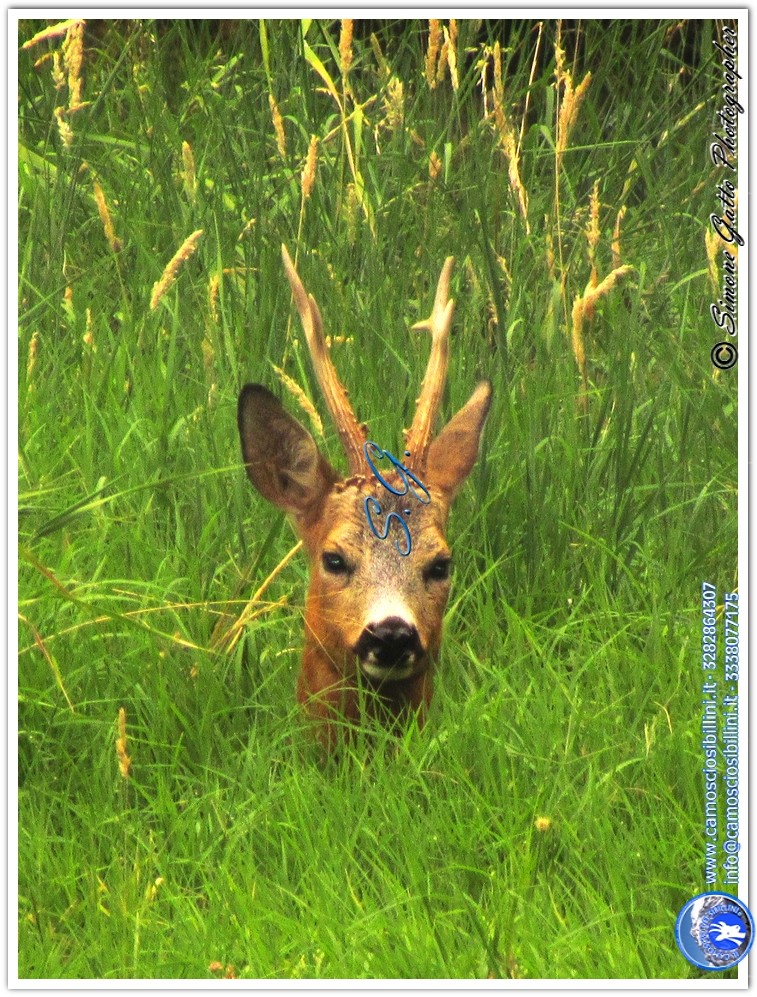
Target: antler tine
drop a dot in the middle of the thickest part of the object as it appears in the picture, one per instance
(351, 432)
(439, 322)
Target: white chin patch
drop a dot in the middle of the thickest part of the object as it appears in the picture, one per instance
(374, 671)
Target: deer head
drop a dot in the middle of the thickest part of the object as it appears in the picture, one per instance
(375, 540)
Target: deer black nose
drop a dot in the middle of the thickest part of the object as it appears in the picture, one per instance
(392, 642)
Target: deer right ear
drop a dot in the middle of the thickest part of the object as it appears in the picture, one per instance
(283, 461)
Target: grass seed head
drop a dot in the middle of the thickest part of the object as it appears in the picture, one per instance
(124, 761)
(507, 139)
(248, 227)
(568, 114)
(73, 54)
(301, 398)
(107, 222)
(31, 362)
(434, 165)
(452, 54)
(89, 336)
(214, 286)
(582, 312)
(616, 254)
(278, 126)
(394, 105)
(308, 173)
(351, 212)
(54, 31)
(64, 129)
(59, 77)
(712, 246)
(68, 303)
(183, 253)
(441, 65)
(345, 48)
(432, 53)
(592, 231)
(189, 173)
(208, 355)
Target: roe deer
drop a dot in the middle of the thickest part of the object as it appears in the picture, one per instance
(375, 540)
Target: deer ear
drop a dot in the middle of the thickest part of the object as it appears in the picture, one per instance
(283, 461)
(453, 453)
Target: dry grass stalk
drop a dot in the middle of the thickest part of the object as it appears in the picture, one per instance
(308, 173)
(189, 172)
(301, 398)
(345, 49)
(507, 138)
(73, 54)
(278, 126)
(54, 31)
(432, 53)
(124, 762)
(171, 271)
(107, 222)
(230, 638)
(46, 653)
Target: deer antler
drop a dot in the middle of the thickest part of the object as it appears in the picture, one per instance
(439, 322)
(352, 434)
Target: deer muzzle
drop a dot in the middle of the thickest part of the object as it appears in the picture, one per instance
(390, 650)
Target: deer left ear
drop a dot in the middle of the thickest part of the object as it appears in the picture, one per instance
(453, 453)
(282, 459)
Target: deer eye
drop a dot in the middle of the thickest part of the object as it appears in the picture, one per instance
(334, 563)
(438, 569)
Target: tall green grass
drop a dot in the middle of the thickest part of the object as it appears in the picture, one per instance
(569, 685)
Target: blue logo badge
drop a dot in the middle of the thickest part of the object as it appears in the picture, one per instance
(714, 930)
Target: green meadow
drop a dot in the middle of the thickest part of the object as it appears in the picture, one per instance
(175, 818)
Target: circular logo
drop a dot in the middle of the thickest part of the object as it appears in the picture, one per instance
(714, 930)
(724, 355)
